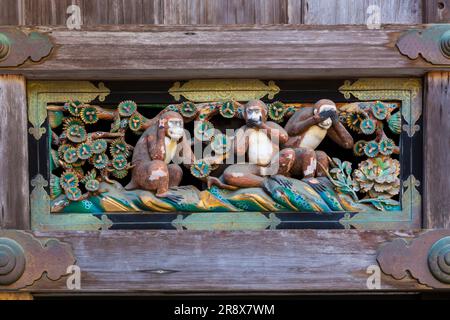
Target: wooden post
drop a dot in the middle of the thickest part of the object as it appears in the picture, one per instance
(14, 190)
(436, 151)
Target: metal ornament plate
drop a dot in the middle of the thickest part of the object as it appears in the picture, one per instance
(432, 43)
(16, 47)
(425, 258)
(25, 259)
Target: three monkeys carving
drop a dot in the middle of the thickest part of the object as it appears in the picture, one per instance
(256, 145)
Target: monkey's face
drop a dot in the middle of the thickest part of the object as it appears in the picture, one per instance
(254, 115)
(327, 123)
(175, 129)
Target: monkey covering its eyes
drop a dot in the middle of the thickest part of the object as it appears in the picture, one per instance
(307, 128)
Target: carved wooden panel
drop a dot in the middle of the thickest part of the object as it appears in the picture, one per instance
(79, 181)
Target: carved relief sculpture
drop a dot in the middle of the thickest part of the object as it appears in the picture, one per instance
(260, 166)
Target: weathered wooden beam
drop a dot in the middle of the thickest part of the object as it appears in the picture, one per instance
(436, 150)
(14, 190)
(281, 261)
(180, 52)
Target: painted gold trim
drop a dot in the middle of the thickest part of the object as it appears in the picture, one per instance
(409, 91)
(40, 93)
(221, 90)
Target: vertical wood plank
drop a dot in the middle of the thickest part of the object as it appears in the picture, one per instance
(48, 12)
(153, 11)
(437, 151)
(332, 12)
(436, 11)
(14, 190)
(295, 11)
(95, 12)
(9, 12)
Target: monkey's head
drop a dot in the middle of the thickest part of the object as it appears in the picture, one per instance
(174, 125)
(255, 112)
(325, 105)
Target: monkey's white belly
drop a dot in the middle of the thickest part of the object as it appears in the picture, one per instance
(313, 137)
(171, 148)
(260, 150)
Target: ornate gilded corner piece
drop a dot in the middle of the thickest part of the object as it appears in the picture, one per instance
(16, 47)
(42, 92)
(212, 90)
(426, 259)
(25, 259)
(408, 91)
(432, 43)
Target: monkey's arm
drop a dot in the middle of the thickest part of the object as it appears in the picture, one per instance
(340, 135)
(301, 121)
(275, 131)
(156, 147)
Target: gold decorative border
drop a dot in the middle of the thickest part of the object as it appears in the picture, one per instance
(409, 92)
(221, 90)
(40, 93)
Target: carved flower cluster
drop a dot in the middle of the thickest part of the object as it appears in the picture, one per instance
(378, 177)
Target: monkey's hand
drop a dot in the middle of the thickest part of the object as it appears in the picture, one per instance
(162, 123)
(327, 114)
(335, 118)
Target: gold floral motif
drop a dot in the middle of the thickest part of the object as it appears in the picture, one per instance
(221, 90)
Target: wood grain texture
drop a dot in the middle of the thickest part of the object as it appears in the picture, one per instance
(219, 12)
(437, 11)
(14, 190)
(181, 52)
(295, 11)
(47, 12)
(333, 12)
(10, 12)
(436, 151)
(248, 261)
(170, 12)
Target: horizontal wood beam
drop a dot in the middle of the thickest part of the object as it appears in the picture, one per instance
(185, 52)
(174, 262)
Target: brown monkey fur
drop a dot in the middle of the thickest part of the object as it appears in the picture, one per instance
(151, 157)
(307, 128)
(254, 140)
